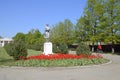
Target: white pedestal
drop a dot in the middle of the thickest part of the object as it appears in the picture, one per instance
(48, 48)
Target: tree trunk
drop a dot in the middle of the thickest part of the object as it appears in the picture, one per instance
(93, 47)
(113, 50)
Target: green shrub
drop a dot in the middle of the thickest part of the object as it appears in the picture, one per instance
(83, 49)
(60, 48)
(17, 50)
(9, 49)
(63, 48)
(37, 46)
(29, 46)
(56, 48)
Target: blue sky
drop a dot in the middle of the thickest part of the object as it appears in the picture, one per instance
(24, 15)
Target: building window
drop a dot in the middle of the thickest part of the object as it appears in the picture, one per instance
(1, 41)
(6, 42)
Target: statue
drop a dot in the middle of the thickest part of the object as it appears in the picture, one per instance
(47, 44)
(47, 33)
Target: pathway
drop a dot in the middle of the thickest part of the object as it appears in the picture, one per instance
(109, 71)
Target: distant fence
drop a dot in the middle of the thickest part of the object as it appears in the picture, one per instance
(108, 48)
(105, 48)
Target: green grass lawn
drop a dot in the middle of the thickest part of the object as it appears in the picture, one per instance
(5, 59)
(33, 52)
(3, 54)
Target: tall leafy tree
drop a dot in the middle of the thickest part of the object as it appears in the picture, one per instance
(68, 32)
(19, 36)
(112, 13)
(82, 30)
(35, 39)
(89, 22)
(62, 32)
(33, 36)
(101, 17)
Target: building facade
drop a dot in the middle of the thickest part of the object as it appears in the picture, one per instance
(4, 41)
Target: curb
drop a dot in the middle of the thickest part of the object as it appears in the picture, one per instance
(71, 67)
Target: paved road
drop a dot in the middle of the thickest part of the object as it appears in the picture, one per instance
(109, 71)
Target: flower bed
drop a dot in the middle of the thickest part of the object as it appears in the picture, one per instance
(57, 60)
(63, 56)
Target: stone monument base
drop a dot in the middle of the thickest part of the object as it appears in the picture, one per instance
(47, 48)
